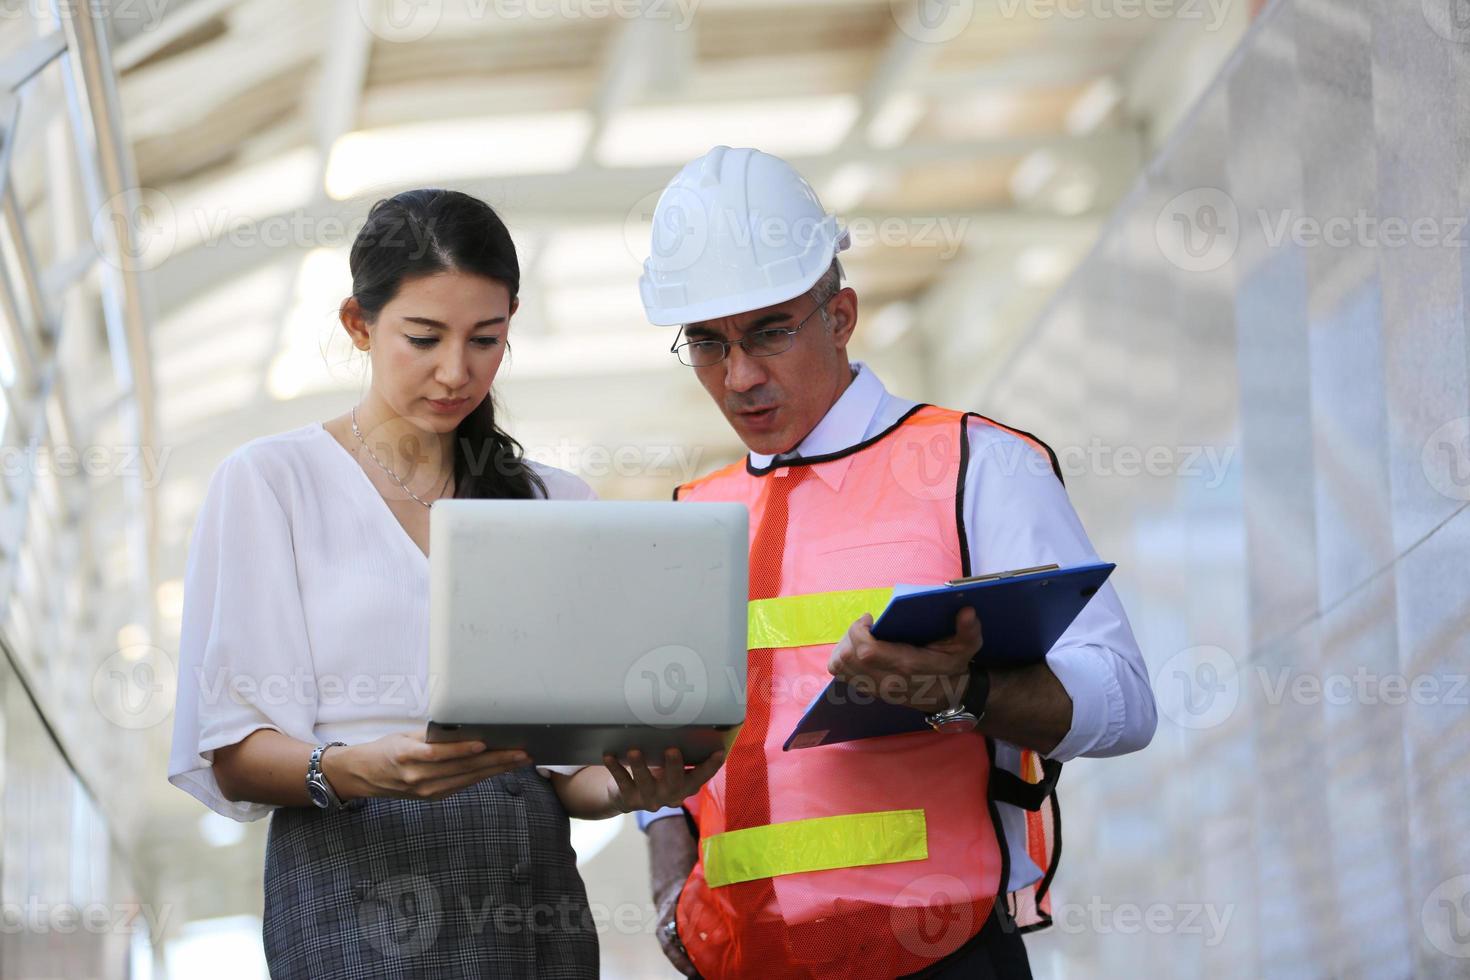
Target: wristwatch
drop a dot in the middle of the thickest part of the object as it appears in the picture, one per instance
(670, 929)
(321, 791)
(671, 933)
(971, 708)
(953, 721)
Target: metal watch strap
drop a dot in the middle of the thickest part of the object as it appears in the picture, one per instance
(952, 720)
(671, 933)
(965, 716)
(315, 777)
(671, 928)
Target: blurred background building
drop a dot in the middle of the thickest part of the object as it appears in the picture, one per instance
(1214, 254)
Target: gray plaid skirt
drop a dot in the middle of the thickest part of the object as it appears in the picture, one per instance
(483, 883)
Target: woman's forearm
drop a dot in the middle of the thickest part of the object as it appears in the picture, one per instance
(584, 793)
(269, 767)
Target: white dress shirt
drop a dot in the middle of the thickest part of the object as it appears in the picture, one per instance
(306, 609)
(1017, 515)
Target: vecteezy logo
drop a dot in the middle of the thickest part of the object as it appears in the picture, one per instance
(1446, 459)
(403, 21)
(1199, 230)
(926, 470)
(638, 226)
(401, 916)
(932, 916)
(1446, 917)
(402, 450)
(134, 688)
(1198, 687)
(136, 230)
(681, 229)
(1450, 19)
(667, 687)
(932, 21)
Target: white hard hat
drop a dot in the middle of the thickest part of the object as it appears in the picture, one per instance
(736, 230)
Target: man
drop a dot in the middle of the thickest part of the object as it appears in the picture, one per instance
(913, 855)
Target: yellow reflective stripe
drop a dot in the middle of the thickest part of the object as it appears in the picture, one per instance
(852, 840)
(807, 620)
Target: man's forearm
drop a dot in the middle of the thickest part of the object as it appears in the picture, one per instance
(1027, 706)
(672, 851)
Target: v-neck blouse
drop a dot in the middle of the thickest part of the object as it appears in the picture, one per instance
(306, 608)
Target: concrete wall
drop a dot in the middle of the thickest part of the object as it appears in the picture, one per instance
(1259, 383)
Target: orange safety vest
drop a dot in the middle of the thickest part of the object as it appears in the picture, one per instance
(872, 858)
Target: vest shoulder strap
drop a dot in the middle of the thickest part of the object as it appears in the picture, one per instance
(1024, 436)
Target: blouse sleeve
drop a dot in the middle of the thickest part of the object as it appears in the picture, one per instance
(244, 660)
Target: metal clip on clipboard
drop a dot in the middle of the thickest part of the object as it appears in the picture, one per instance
(991, 576)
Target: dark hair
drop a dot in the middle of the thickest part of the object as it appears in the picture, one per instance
(421, 233)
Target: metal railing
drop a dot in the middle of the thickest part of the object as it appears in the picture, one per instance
(78, 554)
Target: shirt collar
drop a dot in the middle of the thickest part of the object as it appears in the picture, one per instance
(844, 426)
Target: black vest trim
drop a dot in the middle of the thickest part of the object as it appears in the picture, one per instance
(828, 457)
(1055, 466)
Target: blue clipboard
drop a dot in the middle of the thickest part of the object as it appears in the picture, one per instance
(1022, 615)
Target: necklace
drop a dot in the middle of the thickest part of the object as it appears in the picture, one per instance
(386, 468)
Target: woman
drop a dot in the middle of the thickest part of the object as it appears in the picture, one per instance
(305, 644)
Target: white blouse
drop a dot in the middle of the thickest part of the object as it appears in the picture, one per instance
(306, 608)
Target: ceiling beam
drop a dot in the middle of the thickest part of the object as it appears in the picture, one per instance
(166, 99)
(904, 58)
(347, 44)
(191, 274)
(599, 195)
(180, 22)
(625, 75)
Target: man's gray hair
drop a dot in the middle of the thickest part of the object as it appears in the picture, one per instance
(827, 287)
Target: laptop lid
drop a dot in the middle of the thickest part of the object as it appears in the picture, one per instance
(587, 612)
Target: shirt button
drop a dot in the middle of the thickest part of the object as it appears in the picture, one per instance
(521, 873)
(513, 784)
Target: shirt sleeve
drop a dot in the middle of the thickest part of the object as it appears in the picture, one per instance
(244, 660)
(561, 484)
(1017, 515)
(646, 817)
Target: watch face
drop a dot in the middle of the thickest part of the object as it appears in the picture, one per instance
(957, 724)
(318, 795)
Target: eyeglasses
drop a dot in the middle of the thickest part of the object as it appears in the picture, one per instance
(765, 342)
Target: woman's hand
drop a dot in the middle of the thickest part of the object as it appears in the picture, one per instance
(637, 787)
(405, 766)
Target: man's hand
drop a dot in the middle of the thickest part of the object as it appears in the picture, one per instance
(673, 948)
(930, 678)
(639, 788)
(671, 856)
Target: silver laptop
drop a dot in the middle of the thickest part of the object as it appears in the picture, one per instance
(574, 628)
